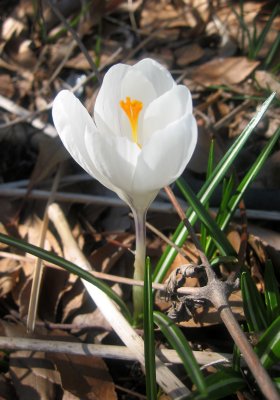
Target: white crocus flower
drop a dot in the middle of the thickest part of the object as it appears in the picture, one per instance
(141, 138)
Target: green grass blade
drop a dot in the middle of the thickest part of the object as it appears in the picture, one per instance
(178, 342)
(226, 194)
(210, 165)
(202, 214)
(268, 348)
(271, 293)
(249, 177)
(253, 304)
(206, 191)
(69, 266)
(272, 52)
(221, 384)
(149, 339)
(261, 38)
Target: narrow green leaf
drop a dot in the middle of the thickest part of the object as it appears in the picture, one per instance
(248, 178)
(268, 348)
(277, 382)
(224, 260)
(206, 191)
(221, 384)
(69, 266)
(254, 308)
(272, 52)
(178, 342)
(210, 166)
(271, 293)
(213, 229)
(261, 38)
(149, 340)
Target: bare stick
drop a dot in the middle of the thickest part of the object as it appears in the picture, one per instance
(104, 351)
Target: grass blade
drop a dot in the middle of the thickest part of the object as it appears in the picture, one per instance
(271, 293)
(149, 340)
(206, 191)
(268, 348)
(202, 214)
(261, 38)
(254, 307)
(221, 384)
(210, 165)
(247, 180)
(178, 342)
(69, 266)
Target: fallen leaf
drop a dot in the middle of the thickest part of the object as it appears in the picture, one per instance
(224, 71)
(34, 377)
(266, 80)
(7, 88)
(188, 54)
(51, 154)
(85, 377)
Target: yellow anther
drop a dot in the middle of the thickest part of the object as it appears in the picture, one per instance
(132, 109)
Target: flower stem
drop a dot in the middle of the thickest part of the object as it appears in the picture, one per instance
(139, 263)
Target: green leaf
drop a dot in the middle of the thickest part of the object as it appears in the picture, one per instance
(259, 41)
(221, 384)
(69, 266)
(178, 342)
(248, 178)
(253, 304)
(210, 165)
(268, 348)
(213, 229)
(224, 260)
(271, 293)
(206, 191)
(149, 340)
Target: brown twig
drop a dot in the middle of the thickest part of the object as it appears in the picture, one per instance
(217, 293)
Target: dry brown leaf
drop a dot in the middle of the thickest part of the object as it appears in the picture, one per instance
(30, 230)
(105, 257)
(224, 71)
(73, 302)
(51, 154)
(267, 80)
(9, 275)
(54, 283)
(33, 376)
(6, 86)
(19, 51)
(188, 54)
(85, 377)
(206, 317)
(7, 391)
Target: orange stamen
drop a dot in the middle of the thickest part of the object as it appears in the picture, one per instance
(132, 109)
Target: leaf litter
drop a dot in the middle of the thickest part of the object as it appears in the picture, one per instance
(206, 49)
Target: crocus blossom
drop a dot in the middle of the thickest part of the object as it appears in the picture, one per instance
(141, 137)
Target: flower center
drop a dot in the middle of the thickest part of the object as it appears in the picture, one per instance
(132, 109)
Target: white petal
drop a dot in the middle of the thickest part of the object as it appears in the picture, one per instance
(166, 155)
(115, 158)
(107, 103)
(159, 76)
(165, 110)
(73, 123)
